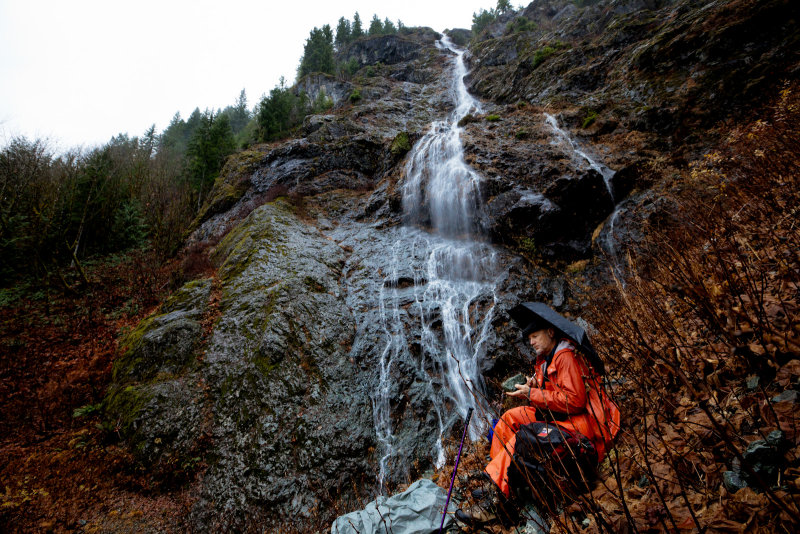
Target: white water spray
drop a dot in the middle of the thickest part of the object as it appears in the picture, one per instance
(453, 280)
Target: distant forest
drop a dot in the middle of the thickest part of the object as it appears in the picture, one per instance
(144, 192)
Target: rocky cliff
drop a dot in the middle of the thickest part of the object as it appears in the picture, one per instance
(259, 383)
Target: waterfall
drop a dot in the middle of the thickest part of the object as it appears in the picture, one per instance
(453, 293)
(564, 137)
(608, 243)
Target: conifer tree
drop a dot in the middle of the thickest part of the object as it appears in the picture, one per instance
(279, 112)
(503, 6)
(357, 31)
(211, 143)
(318, 52)
(375, 26)
(388, 26)
(238, 114)
(342, 33)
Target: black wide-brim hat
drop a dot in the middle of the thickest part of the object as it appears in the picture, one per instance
(534, 326)
(533, 316)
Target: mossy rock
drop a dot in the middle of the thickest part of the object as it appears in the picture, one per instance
(231, 184)
(400, 145)
(165, 342)
(168, 348)
(122, 407)
(162, 421)
(258, 232)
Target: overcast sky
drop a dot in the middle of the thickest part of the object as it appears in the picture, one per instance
(80, 71)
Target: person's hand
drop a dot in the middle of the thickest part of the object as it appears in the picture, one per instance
(530, 381)
(523, 390)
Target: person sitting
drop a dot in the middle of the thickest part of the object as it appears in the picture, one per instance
(566, 408)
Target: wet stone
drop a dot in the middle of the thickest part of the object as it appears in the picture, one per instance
(752, 382)
(733, 481)
(765, 460)
(789, 395)
(509, 384)
(777, 439)
(534, 522)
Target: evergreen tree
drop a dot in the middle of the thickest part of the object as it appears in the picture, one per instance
(357, 30)
(327, 32)
(503, 6)
(172, 138)
(238, 114)
(318, 53)
(149, 140)
(192, 124)
(482, 19)
(388, 26)
(279, 112)
(211, 142)
(375, 26)
(342, 33)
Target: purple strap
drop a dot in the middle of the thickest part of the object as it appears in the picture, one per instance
(455, 468)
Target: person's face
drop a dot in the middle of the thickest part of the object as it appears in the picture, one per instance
(542, 341)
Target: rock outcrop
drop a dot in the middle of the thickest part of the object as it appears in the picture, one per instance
(271, 395)
(663, 66)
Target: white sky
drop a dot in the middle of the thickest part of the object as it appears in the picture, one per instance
(81, 71)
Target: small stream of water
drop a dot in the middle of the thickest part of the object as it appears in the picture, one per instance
(609, 242)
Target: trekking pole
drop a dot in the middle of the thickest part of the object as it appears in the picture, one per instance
(455, 468)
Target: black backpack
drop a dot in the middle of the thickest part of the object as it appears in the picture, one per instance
(546, 452)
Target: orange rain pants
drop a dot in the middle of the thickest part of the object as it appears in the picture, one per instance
(563, 393)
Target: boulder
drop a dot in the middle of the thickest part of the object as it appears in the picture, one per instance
(271, 395)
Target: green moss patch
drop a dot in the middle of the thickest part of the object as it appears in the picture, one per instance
(122, 406)
(400, 145)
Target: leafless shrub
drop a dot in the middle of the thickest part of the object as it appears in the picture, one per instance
(702, 336)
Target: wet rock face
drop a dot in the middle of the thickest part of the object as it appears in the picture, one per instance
(154, 400)
(386, 293)
(272, 396)
(623, 59)
(319, 83)
(537, 188)
(387, 49)
(292, 428)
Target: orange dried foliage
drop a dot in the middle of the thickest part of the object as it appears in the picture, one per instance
(59, 473)
(711, 301)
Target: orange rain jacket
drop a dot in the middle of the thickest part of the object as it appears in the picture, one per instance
(568, 393)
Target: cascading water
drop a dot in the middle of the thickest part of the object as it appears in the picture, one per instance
(453, 292)
(604, 171)
(609, 243)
